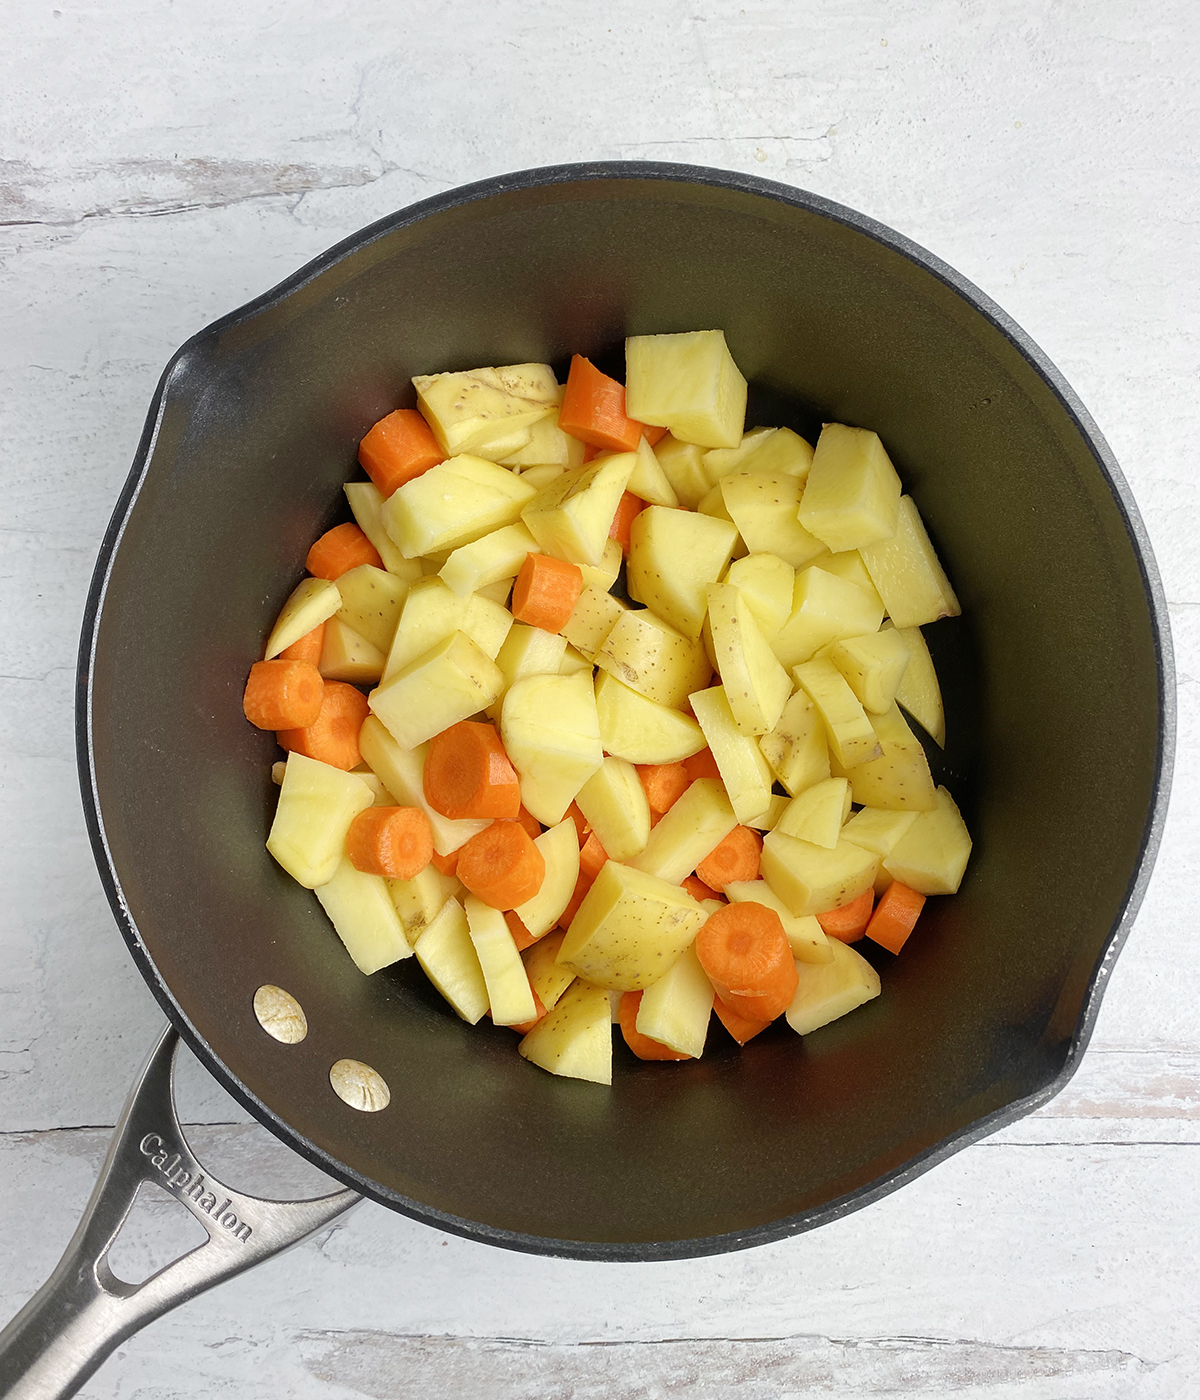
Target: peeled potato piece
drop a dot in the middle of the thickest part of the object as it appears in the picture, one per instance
(575, 1038)
(827, 992)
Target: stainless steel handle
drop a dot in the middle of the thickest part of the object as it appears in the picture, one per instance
(83, 1311)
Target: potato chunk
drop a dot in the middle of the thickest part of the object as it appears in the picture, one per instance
(366, 502)
(673, 556)
(797, 749)
(547, 976)
(361, 910)
(488, 559)
(806, 937)
(907, 573)
(899, 778)
(824, 609)
(648, 481)
(768, 584)
(851, 736)
(818, 813)
(682, 464)
(548, 446)
(452, 681)
(419, 901)
(739, 759)
(509, 994)
(604, 574)
(918, 691)
(570, 518)
(575, 1038)
(528, 651)
(317, 803)
(311, 602)
(552, 738)
(454, 504)
(652, 658)
(687, 383)
(594, 617)
(825, 993)
(348, 656)
(691, 829)
(853, 493)
(371, 603)
(472, 408)
(872, 666)
(721, 461)
(641, 730)
(613, 802)
(447, 955)
(756, 685)
(676, 1010)
(560, 850)
(810, 879)
(932, 854)
(781, 453)
(629, 929)
(764, 509)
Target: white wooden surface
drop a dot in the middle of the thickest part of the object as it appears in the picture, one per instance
(161, 163)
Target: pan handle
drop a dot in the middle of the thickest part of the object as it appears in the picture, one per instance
(83, 1311)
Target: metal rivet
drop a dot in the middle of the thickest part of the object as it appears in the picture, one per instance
(359, 1086)
(280, 1014)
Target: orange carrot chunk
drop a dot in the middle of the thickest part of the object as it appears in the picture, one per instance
(521, 935)
(582, 885)
(592, 856)
(593, 409)
(641, 1045)
(745, 953)
(339, 550)
(446, 865)
(652, 433)
(333, 738)
(392, 841)
(546, 592)
(501, 866)
(627, 507)
(698, 889)
(398, 448)
(701, 765)
(895, 916)
(665, 784)
(529, 822)
(308, 648)
(539, 1010)
(742, 1028)
(736, 858)
(283, 694)
(467, 774)
(849, 923)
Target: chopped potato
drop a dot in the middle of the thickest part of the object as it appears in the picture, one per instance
(683, 466)
(451, 682)
(474, 408)
(877, 829)
(316, 805)
(420, 900)
(454, 504)
(575, 1038)
(825, 993)
(613, 802)
(873, 667)
(604, 574)
(548, 446)
(688, 383)
(918, 691)
(648, 481)
(768, 585)
(676, 1010)
(908, 574)
(447, 955)
(852, 737)
(488, 559)
(346, 655)
(818, 814)
(756, 685)
(899, 778)
(824, 608)
(797, 749)
(547, 976)
(509, 994)
(560, 850)
(364, 917)
(739, 758)
(551, 734)
(431, 613)
(721, 461)
(848, 564)
(812, 880)
(372, 600)
(764, 509)
(693, 828)
(573, 661)
(311, 602)
(652, 658)
(853, 493)
(594, 617)
(768, 820)
(570, 517)
(367, 504)
(673, 556)
(932, 854)
(641, 730)
(781, 453)
(806, 937)
(528, 651)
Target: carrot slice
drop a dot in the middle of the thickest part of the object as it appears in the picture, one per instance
(539, 1010)
(627, 507)
(546, 592)
(699, 890)
(529, 822)
(665, 784)
(742, 1028)
(641, 1045)
(283, 694)
(745, 953)
(895, 916)
(501, 866)
(398, 448)
(593, 409)
(339, 550)
(308, 648)
(446, 865)
(701, 765)
(582, 885)
(467, 774)
(849, 923)
(592, 856)
(333, 738)
(521, 935)
(736, 858)
(392, 841)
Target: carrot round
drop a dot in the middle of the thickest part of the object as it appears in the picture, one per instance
(895, 916)
(283, 694)
(742, 1028)
(521, 935)
(501, 866)
(736, 858)
(308, 648)
(546, 592)
(698, 889)
(339, 550)
(593, 409)
(641, 1045)
(701, 765)
(333, 738)
(582, 885)
(665, 784)
(446, 865)
(398, 448)
(592, 856)
(627, 507)
(392, 841)
(467, 774)
(849, 923)
(539, 1010)
(745, 953)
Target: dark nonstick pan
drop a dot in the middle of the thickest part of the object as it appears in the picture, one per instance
(1059, 705)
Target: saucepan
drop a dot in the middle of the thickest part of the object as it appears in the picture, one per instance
(1059, 701)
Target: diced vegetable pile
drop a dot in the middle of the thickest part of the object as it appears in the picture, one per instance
(545, 793)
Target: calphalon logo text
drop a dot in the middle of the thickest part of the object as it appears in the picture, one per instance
(180, 1180)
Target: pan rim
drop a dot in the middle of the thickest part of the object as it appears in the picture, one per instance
(1078, 416)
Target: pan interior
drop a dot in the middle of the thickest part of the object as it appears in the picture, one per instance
(1051, 680)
